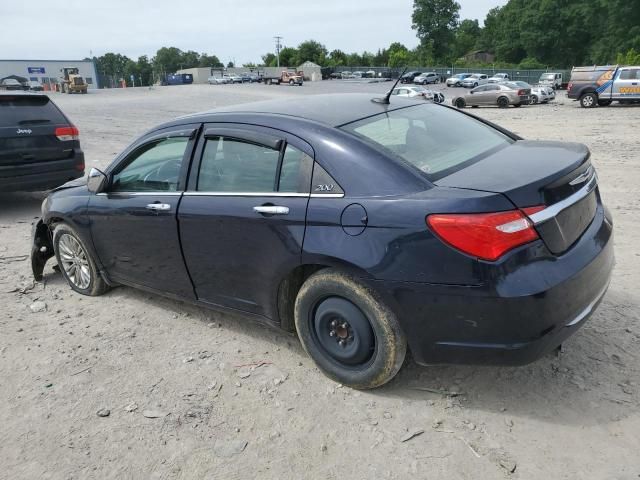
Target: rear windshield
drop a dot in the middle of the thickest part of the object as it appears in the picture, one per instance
(18, 110)
(437, 140)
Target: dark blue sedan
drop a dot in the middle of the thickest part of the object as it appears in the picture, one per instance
(367, 228)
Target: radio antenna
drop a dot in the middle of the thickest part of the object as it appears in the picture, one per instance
(385, 100)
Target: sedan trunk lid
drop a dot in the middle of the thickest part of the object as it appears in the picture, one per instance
(556, 175)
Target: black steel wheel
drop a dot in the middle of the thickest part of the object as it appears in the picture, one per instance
(351, 335)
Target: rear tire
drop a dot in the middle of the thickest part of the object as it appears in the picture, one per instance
(503, 102)
(76, 263)
(460, 102)
(588, 100)
(351, 335)
(291, 83)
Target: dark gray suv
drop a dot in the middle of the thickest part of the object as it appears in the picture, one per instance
(39, 146)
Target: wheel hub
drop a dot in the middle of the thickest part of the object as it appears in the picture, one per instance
(343, 331)
(74, 261)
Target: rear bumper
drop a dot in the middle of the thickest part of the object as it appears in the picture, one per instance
(41, 175)
(515, 318)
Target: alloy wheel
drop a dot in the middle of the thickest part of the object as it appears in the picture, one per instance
(74, 261)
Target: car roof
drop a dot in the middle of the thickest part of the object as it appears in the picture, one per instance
(330, 109)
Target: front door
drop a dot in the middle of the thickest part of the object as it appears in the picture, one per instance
(242, 220)
(134, 225)
(627, 85)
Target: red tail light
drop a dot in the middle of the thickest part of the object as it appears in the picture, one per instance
(521, 93)
(486, 236)
(66, 134)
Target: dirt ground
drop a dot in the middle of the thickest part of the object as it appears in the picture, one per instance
(232, 399)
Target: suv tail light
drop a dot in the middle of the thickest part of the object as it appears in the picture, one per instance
(486, 236)
(66, 134)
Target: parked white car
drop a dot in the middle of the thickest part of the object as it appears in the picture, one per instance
(456, 80)
(475, 80)
(499, 77)
(218, 80)
(542, 94)
(415, 92)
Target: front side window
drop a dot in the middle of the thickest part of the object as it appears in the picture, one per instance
(231, 165)
(438, 141)
(153, 167)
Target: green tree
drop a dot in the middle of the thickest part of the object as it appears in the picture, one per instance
(435, 22)
(206, 60)
(268, 59)
(113, 64)
(167, 59)
(288, 57)
(337, 58)
(231, 64)
(466, 37)
(312, 51)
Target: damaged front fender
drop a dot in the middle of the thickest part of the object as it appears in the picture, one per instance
(41, 248)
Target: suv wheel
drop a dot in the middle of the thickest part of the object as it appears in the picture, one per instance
(534, 99)
(351, 335)
(588, 100)
(76, 264)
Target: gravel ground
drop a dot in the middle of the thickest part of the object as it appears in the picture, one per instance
(189, 393)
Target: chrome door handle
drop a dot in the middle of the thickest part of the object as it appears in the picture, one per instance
(271, 210)
(159, 207)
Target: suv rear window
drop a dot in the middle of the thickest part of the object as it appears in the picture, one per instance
(437, 140)
(17, 110)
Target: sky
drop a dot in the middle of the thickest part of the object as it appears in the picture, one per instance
(235, 30)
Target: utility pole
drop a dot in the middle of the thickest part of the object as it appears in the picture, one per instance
(278, 48)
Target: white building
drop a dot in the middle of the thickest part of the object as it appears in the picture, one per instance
(47, 72)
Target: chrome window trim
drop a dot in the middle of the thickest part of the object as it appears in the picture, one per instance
(553, 210)
(264, 194)
(142, 194)
(245, 194)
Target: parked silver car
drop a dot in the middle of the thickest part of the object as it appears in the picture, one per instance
(475, 80)
(426, 78)
(456, 80)
(494, 94)
(499, 77)
(218, 80)
(542, 94)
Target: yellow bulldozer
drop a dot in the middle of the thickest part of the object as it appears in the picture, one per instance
(71, 81)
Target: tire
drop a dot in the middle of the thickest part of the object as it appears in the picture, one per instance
(333, 307)
(588, 100)
(475, 85)
(268, 81)
(503, 102)
(534, 99)
(459, 102)
(71, 252)
(291, 83)
(604, 103)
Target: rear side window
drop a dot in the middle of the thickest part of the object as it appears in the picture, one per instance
(18, 110)
(438, 141)
(231, 165)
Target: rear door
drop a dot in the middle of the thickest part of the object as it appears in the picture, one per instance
(134, 225)
(627, 84)
(33, 131)
(242, 220)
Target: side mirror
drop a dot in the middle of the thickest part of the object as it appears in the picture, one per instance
(97, 181)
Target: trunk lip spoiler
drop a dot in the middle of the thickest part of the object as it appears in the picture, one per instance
(553, 210)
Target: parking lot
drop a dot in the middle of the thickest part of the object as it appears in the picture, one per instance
(196, 394)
